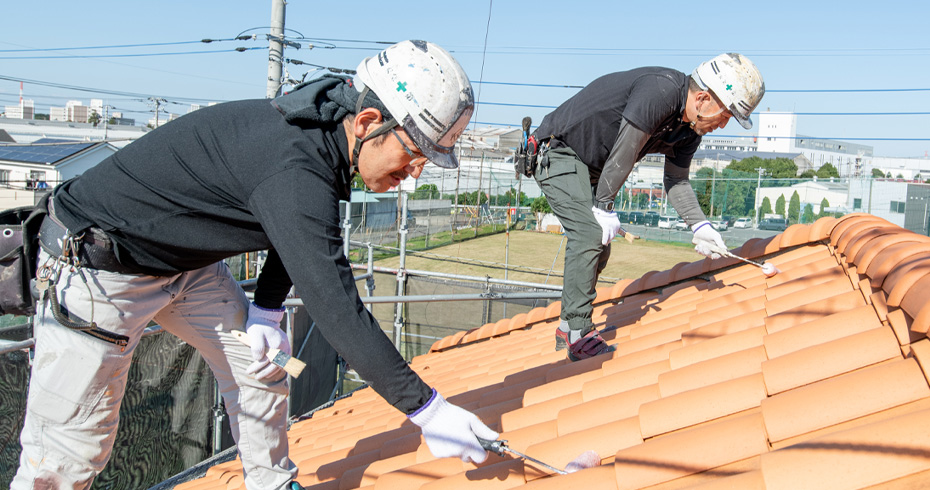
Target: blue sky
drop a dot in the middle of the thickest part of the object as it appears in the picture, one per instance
(824, 46)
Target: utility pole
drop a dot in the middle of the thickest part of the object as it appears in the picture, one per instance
(275, 50)
(157, 101)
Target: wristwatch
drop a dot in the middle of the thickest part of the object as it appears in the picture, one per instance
(605, 205)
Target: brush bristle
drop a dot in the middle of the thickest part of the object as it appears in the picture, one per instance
(587, 459)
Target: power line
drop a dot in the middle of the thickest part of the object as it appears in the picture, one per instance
(130, 55)
(120, 46)
(99, 91)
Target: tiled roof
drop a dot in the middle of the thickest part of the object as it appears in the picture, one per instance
(722, 378)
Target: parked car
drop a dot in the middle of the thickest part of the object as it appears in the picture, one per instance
(743, 223)
(623, 216)
(636, 217)
(729, 219)
(651, 218)
(681, 224)
(667, 221)
(776, 224)
(720, 225)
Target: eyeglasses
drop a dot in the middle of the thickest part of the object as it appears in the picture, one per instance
(418, 159)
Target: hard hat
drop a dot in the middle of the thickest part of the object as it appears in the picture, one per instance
(735, 81)
(427, 93)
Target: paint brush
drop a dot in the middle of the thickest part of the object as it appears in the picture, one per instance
(279, 358)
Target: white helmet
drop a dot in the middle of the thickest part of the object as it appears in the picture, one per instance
(735, 81)
(427, 93)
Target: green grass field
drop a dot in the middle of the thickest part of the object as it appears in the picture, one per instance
(532, 254)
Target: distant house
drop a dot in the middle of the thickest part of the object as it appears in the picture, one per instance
(27, 171)
(810, 192)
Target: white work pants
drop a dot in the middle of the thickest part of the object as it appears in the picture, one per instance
(78, 381)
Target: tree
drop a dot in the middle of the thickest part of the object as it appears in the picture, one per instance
(780, 205)
(808, 174)
(877, 173)
(779, 168)
(509, 198)
(823, 207)
(827, 170)
(426, 191)
(357, 182)
(540, 205)
(794, 207)
(94, 118)
(808, 215)
(900, 176)
(766, 207)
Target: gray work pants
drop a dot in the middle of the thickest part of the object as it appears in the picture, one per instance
(78, 381)
(568, 188)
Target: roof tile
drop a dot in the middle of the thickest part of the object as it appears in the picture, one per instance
(499, 476)
(820, 331)
(613, 407)
(856, 458)
(719, 369)
(830, 359)
(605, 439)
(703, 404)
(598, 478)
(845, 397)
(621, 381)
(682, 453)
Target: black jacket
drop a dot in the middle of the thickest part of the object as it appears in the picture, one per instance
(239, 177)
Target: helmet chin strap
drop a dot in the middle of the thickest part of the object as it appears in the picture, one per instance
(698, 118)
(384, 128)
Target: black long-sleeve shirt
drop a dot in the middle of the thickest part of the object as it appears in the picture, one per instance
(234, 178)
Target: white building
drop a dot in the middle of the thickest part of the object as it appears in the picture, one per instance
(25, 110)
(810, 192)
(27, 169)
(905, 204)
(901, 168)
(777, 133)
(28, 131)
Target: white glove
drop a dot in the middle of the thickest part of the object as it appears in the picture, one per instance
(707, 240)
(451, 431)
(263, 327)
(610, 224)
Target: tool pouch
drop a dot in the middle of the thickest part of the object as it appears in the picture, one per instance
(525, 158)
(19, 230)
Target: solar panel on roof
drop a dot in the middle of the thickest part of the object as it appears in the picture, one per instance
(41, 154)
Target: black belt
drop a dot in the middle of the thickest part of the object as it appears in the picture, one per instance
(95, 249)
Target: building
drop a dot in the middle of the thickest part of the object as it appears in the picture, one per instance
(777, 133)
(29, 131)
(901, 168)
(906, 204)
(25, 110)
(810, 192)
(28, 169)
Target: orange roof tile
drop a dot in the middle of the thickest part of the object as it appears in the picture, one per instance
(722, 378)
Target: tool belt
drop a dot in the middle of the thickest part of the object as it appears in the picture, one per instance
(18, 251)
(92, 249)
(528, 157)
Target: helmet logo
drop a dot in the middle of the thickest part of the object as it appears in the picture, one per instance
(401, 86)
(729, 87)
